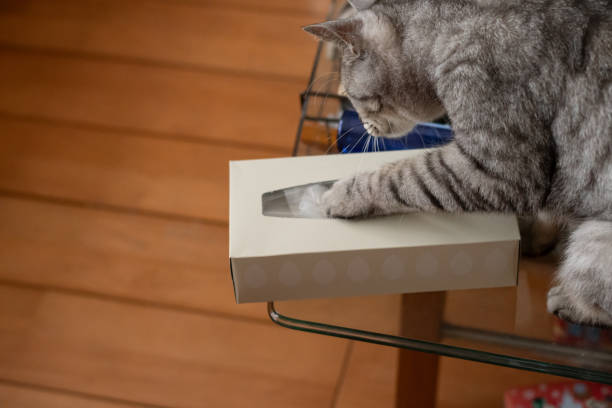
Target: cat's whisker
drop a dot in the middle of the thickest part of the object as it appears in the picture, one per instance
(329, 77)
(319, 78)
(340, 137)
(367, 143)
(326, 98)
(365, 146)
(390, 129)
(358, 140)
(416, 129)
(322, 88)
(359, 166)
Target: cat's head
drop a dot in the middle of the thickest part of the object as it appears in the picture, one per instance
(383, 81)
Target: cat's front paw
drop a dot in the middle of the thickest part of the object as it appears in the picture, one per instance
(574, 308)
(347, 199)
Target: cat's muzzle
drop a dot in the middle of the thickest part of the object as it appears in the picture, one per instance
(374, 128)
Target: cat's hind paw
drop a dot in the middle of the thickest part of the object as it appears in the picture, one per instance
(575, 310)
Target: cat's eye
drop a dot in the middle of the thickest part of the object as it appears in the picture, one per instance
(370, 104)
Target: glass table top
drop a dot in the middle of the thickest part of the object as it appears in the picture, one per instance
(504, 326)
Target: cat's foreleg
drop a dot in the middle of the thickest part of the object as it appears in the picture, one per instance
(443, 179)
(583, 293)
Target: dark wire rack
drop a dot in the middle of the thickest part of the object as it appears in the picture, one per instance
(315, 109)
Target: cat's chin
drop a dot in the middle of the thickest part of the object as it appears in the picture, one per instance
(396, 135)
(401, 129)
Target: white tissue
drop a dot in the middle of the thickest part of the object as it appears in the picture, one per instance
(296, 202)
(309, 204)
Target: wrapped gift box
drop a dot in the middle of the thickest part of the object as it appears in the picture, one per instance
(574, 394)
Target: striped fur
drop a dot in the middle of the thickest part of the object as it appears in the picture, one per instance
(527, 85)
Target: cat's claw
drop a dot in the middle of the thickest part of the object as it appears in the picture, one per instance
(343, 200)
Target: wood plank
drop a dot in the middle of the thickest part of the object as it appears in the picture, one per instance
(161, 175)
(535, 280)
(29, 397)
(370, 378)
(182, 33)
(167, 262)
(161, 357)
(417, 372)
(316, 8)
(224, 108)
(149, 259)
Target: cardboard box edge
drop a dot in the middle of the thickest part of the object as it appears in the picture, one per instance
(234, 282)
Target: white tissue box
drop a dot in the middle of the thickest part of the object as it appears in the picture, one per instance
(280, 258)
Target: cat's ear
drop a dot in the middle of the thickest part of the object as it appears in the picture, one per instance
(344, 32)
(362, 4)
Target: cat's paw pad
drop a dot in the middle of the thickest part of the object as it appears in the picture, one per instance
(343, 200)
(575, 310)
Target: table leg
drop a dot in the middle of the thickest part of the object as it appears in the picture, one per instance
(417, 375)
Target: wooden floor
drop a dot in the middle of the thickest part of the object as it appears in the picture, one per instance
(117, 121)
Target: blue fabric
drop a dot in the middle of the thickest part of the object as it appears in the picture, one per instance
(352, 137)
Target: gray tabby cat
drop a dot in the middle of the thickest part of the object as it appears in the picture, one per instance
(528, 88)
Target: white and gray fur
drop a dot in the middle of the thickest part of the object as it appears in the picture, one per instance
(527, 85)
